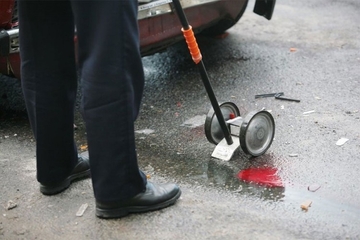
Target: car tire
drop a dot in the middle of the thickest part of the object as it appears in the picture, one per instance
(224, 24)
(11, 96)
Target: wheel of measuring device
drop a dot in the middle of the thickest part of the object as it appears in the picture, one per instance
(257, 132)
(213, 131)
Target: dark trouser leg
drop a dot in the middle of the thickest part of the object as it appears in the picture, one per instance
(49, 84)
(112, 82)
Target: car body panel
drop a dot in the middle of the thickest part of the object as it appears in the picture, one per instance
(6, 12)
(160, 27)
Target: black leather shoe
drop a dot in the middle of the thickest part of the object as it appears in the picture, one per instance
(153, 198)
(81, 171)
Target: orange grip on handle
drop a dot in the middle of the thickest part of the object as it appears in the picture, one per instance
(192, 44)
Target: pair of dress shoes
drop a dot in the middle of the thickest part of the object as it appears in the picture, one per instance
(154, 197)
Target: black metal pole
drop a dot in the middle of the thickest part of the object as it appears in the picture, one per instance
(214, 103)
(180, 12)
(204, 76)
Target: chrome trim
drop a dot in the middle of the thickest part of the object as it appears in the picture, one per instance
(159, 7)
(13, 32)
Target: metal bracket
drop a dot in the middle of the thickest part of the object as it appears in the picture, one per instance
(9, 42)
(224, 151)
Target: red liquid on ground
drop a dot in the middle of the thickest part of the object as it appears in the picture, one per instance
(262, 176)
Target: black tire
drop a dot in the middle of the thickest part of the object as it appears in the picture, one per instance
(224, 24)
(213, 131)
(11, 96)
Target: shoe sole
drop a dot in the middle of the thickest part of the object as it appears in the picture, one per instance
(65, 184)
(124, 211)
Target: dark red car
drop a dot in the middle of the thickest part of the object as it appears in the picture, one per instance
(158, 23)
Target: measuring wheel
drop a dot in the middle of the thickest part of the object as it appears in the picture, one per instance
(213, 131)
(257, 132)
(223, 125)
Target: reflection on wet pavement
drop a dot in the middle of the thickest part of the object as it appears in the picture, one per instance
(192, 168)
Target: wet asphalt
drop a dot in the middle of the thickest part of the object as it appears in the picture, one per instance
(309, 51)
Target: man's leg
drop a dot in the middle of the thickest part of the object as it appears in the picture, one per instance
(112, 83)
(49, 84)
(113, 79)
